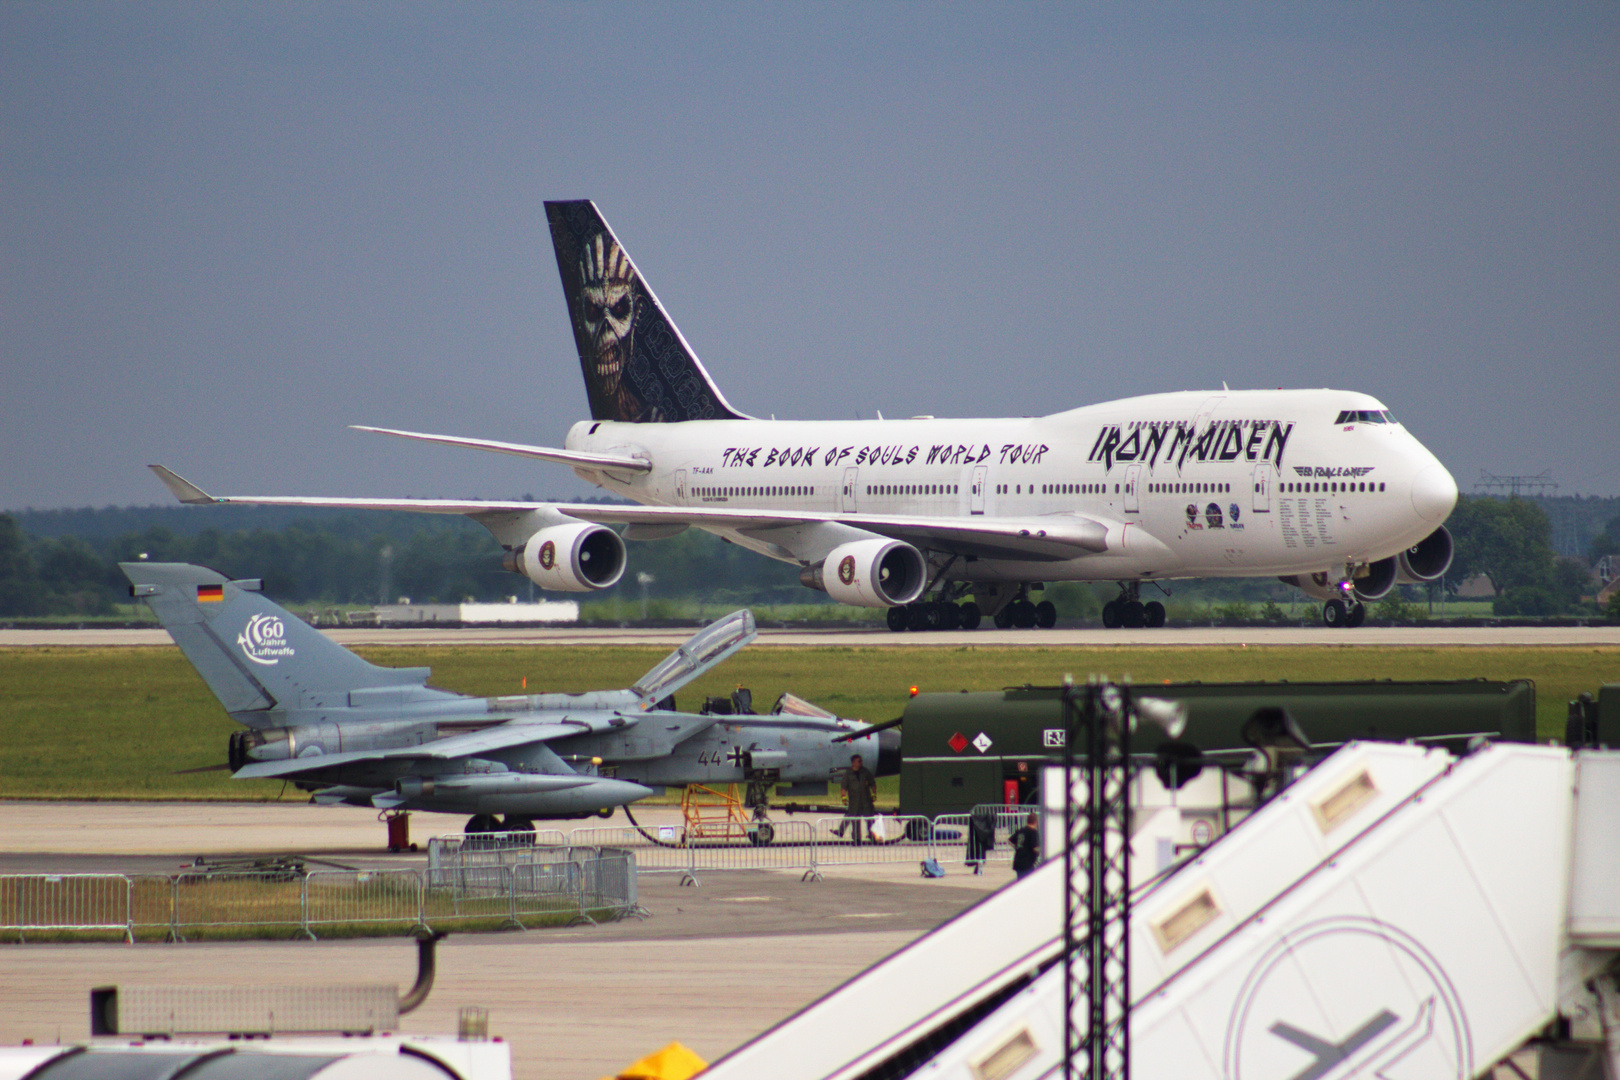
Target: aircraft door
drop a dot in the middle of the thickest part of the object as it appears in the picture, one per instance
(1133, 479)
(981, 474)
(680, 485)
(1262, 487)
(847, 503)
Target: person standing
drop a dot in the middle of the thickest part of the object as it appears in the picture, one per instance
(860, 794)
(1026, 844)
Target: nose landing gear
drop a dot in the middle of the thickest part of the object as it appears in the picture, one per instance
(1348, 612)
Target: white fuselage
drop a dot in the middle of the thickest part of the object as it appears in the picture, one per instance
(1189, 484)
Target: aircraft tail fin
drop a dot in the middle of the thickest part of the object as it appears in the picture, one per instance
(263, 663)
(638, 368)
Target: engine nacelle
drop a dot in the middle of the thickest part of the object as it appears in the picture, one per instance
(1426, 560)
(872, 573)
(1377, 581)
(570, 558)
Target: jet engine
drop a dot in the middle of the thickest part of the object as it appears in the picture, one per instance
(570, 558)
(1377, 581)
(870, 573)
(1426, 560)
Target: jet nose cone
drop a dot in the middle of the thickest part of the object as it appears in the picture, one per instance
(1434, 493)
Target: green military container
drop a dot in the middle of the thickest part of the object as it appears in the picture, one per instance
(964, 749)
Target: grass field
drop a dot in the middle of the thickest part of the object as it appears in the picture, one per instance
(110, 723)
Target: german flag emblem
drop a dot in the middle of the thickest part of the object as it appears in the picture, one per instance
(207, 594)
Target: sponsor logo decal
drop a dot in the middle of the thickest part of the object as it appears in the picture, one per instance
(548, 555)
(1350, 996)
(264, 640)
(1232, 517)
(1192, 516)
(846, 570)
(1212, 516)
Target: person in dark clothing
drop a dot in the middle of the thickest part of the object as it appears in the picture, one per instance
(1026, 844)
(860, 789)
(981, 836)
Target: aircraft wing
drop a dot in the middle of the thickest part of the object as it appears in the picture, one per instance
(471, 744)
(1049, 537)
(539, 453)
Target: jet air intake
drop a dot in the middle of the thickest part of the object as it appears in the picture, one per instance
(1378, 579)
(870, 573)
(570, 558)
(1426, 560)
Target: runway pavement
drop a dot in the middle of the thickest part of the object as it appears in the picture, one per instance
(1088, 637)
(712, 966)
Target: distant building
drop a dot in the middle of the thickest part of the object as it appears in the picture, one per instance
(544, 611)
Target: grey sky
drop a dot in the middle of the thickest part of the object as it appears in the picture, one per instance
(231, 230)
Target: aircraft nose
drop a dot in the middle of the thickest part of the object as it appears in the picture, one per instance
(1434, 493)
(888, 753)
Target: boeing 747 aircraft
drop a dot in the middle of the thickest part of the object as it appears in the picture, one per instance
(947, 522)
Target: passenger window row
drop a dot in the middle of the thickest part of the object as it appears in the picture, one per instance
(756, 492)
(1331, 487)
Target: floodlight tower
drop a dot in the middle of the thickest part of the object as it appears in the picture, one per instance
(1096, 866)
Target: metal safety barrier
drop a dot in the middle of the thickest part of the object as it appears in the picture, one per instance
(45, 902)
(572, 883)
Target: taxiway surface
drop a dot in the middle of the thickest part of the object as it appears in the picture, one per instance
(712, 965)
(1088, 637)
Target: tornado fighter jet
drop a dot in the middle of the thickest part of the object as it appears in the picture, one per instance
(317, 715)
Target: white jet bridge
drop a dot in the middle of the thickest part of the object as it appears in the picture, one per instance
(1396, 913)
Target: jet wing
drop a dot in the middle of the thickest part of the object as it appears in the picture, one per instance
(1044, 538)
(471, 744)
(1049, 537)
(539, 453)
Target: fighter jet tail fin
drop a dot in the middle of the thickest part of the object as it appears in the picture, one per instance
(638, 368)
(263, 663)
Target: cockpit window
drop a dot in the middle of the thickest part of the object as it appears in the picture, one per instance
(1365, 416)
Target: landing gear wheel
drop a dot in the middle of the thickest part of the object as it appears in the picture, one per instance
(1046, 614)
(762, 834)
(1023, 615)
(1133, 615)
(1356, 616)
(1155, 614)
(919, 617)
(1334, 614)
(950, 617)
(480, 823)
(605, 812)
(899, 619)
(1111, 614)
(523, 826)
(970, 615)
(1003, 618)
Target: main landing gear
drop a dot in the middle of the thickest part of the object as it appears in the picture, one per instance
(1024, 614)
(1348, 612)
(1130, 612)
(935, 615)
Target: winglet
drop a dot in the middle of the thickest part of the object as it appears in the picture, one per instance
(183, 489)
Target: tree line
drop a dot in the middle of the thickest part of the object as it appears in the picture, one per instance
(64, 563)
